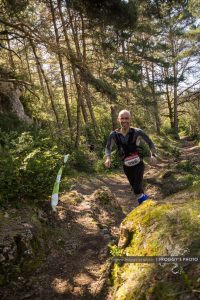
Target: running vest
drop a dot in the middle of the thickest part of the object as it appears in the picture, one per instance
(127, 148)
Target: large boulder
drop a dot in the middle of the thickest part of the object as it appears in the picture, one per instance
(10, 103)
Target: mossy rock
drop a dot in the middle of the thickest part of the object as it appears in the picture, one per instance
(105, 197)
(73, 197)
(153, 229)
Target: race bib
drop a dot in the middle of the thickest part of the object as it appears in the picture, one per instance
(132, 160)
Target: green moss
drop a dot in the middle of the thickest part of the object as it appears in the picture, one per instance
(104, 196)
(165, 291)
(72, 197)
(187, 280)
(114, 274)
(159, 229)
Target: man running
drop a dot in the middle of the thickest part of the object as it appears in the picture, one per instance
(127, 140)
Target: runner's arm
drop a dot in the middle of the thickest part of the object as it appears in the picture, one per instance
(109, 145)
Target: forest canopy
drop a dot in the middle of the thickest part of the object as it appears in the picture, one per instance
(86, 58)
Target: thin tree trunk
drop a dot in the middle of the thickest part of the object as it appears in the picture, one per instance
(47, 83)
(175, 85)
(155, 100)
(126, 80)
(154, 97)
(65, 92)
(78, 125)
(27, 62)
(175, 100)
(169, 104)
(41, 81)
(11, 60)
(85, 85)
(75, 74)
(79, 55)
(114, 116)
(22, 63)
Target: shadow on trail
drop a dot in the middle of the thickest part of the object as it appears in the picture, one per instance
(74, 267)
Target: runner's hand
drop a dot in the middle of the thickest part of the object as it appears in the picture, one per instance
(107, 162)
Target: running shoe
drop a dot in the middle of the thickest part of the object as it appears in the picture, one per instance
(142, 198)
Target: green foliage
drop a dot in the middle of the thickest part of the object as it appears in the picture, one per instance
(126, 70)
(104, 87)
(190, 126)
(168, 130)
(193, 170)
(15, 7)
(143, 149)
(10, 122)
(104, 129)
(167, 145)
(194, 7)
(175, 152)
(120, 14)
(186, 279)
(186, 165)
(196, 181)
(28, 165)
(5, 73)
(83, 160)
(114, 250)
(115, 163)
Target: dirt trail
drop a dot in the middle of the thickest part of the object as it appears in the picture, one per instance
(77, 266)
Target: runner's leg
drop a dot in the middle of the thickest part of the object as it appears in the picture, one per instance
(135, 177)
(138, 175)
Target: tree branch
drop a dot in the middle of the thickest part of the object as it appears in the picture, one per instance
(25, 83)
(1, 46)
(195, 83)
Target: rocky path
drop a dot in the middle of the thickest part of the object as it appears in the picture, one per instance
(78, 269)
(87, 221)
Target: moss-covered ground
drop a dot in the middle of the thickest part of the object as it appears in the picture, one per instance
(168, 229)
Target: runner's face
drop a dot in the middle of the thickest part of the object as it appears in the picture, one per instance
(124, 120)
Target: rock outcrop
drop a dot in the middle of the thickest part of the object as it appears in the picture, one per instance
(10, 103)
(22, 244)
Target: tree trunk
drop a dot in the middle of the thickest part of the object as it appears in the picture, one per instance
(11, 60)
(85, 85)
(78, 125)
(75, 74)
(27, 61)
(175, 100)
(126, 80)
(154, 97)
(175, 85)
(65, 92)
(79, 55)
(47, 84)
(155, 101)
(169, 103)
(114, 116)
